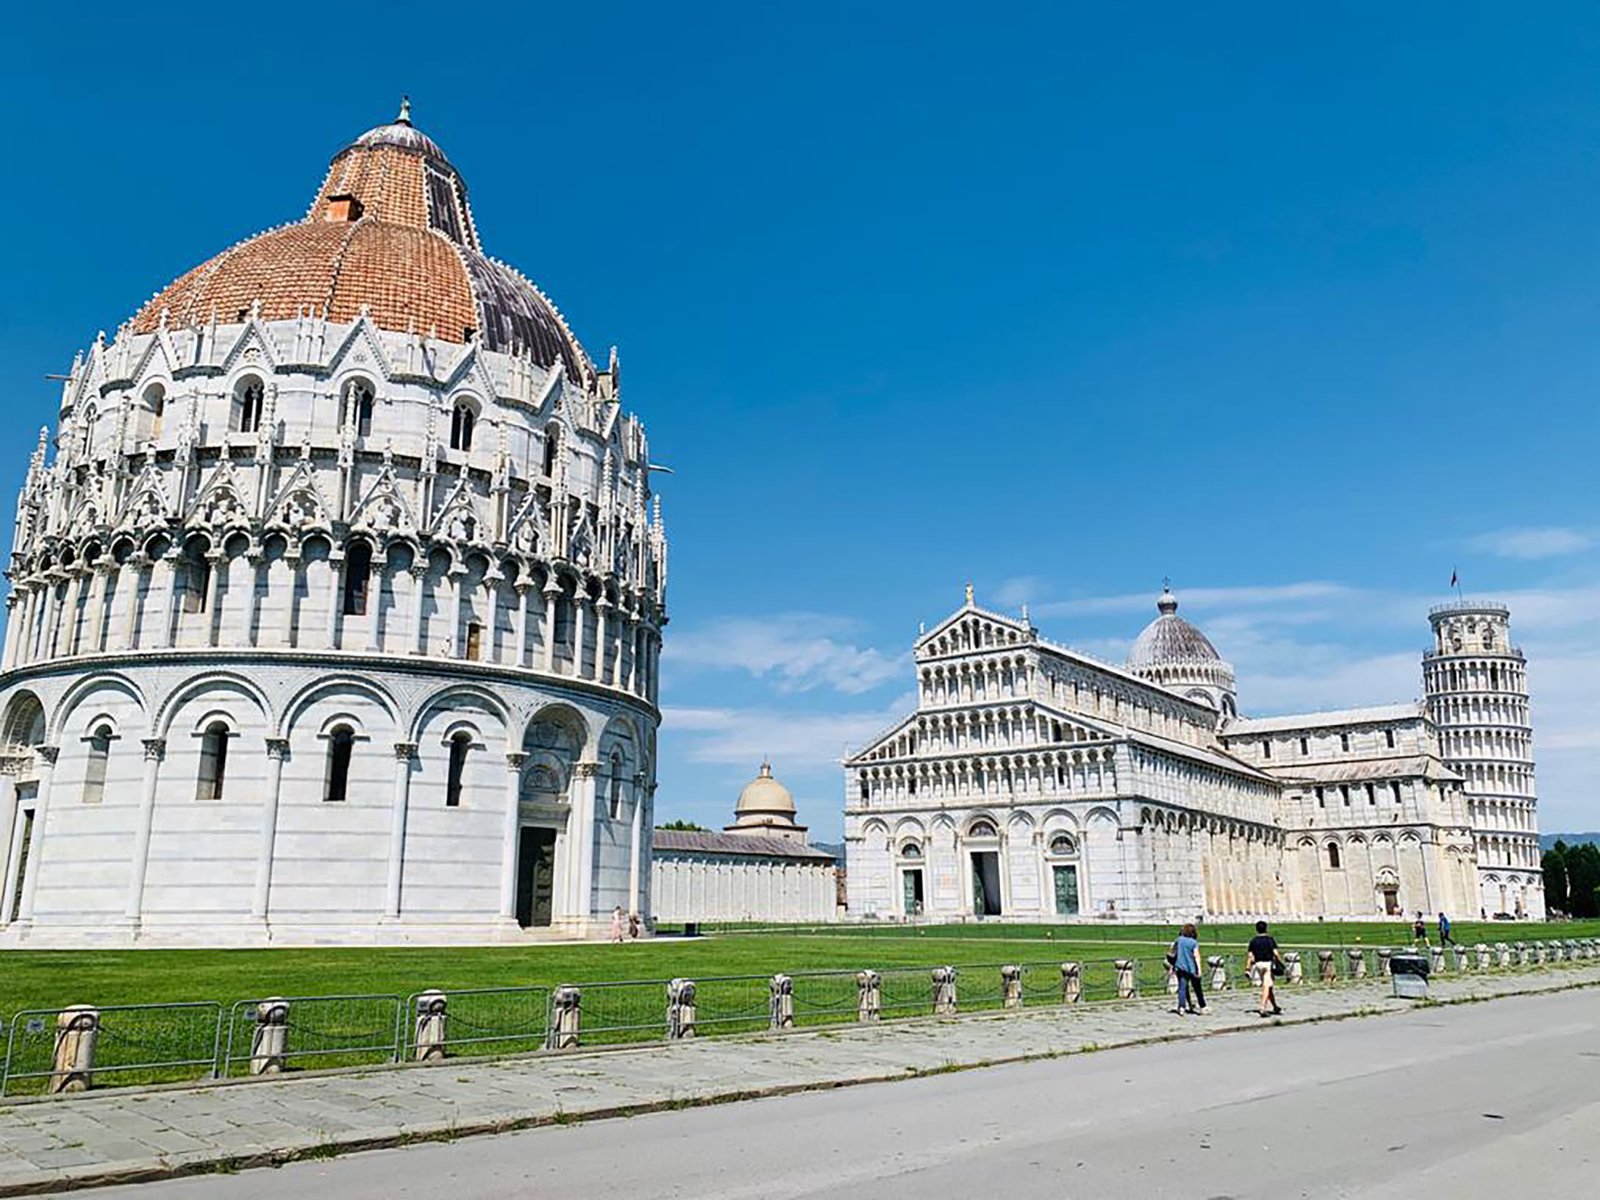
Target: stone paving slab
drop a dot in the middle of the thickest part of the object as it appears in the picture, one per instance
(124, 1137)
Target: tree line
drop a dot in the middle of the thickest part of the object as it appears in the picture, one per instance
(1572, 879)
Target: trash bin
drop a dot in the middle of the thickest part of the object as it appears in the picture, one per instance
(691, 929)
(1410, 975)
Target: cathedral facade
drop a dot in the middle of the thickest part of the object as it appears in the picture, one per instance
(1036, 783)
(336, 600)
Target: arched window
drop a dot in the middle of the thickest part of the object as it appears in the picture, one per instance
(911, 850)
(196, 578)
(1064, 845)
(341, 743)
(552, 448)
(213, 761)
(357, 578)
(982, 829)
(616, 786)
(155, 404)
(248, 403)
(1333, 855)
(460, 743)
(356, 405)
(462, 419)
(94, 773)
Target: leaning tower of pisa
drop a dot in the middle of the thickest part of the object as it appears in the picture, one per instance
(1476, 682)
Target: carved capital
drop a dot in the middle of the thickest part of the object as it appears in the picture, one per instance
(278, 748)
(405, 751)
(585, 770)
(155, 749)
(516, 761)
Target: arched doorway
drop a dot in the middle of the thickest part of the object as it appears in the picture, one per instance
(22, 729)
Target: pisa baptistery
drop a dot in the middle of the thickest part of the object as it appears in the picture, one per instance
(336, 601)
(1476, 682)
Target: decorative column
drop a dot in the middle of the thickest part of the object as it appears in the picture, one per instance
(134, 570)
(377, 573)
(155, 750)
(169, 615)
(277, 751)
(510, 835)
(581, 831)
(255, 558)
(602, 650)
(452, 582)
(552, 594)
(291, 560)
(43, 770)
(580, 622)
(419, 575)
(524, 601)
(15, 609)
(98, 613)
(404, 752)
(635, 834)
(335, 598)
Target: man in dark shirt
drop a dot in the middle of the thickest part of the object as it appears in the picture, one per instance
(1262, 954)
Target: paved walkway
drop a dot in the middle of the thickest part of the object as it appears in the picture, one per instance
(126, 1137)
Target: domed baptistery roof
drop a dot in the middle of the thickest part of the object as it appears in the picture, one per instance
(766, 806)
(337, 599)
(1174, 653)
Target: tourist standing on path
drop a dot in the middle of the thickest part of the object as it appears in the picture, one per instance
(1186, 965)
(1261, 961)
(633, 925)
(1444, 931)
(1419, 931)
(616, 924)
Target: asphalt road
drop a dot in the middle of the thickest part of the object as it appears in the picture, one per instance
(1498, 1099)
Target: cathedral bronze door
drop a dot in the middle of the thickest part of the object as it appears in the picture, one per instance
(536, 876)
(1066, 881)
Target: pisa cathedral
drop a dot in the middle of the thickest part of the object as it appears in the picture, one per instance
(336, 600)
(1036, 783)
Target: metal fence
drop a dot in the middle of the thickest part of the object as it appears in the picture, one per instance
(145, 1044)
(135, 1044)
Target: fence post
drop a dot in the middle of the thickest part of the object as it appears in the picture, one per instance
(1127, 985)
(1071, 983)
(433, 1015)
(1011, 986)
(869, 996)
(1219, 972)
(567, 1028)
(77, 1030)
(1384, 954)
(1358, 962)
(1537, 953)
(680, 1010)
(944, 992)
(1436, 954)
(269, 1041)
(1460, 953)
(1522, 954)
(1330, 972)
(781, 1001)
(1293, 971)
(1502, 954)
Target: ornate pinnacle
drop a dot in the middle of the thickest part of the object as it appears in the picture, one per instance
(405, 111)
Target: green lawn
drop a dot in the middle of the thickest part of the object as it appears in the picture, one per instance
(46, 979)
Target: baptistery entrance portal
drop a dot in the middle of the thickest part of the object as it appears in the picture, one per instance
(536, 876)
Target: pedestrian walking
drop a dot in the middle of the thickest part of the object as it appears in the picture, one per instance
(616, 925)
(1444, 931)
(633, 925)
(1185, 959)
(1419, 931)
(1263, 962)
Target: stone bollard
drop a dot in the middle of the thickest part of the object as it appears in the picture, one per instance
(680, 1010)
(1572, 950)
(1127, 985)
(869, 996)
(1384, 954)
(1358, 962)
(269, 1044)
(1522, 953)
(433, 1015)
(1461, 957)
(944, 992)
(780, 990)
(1502, 954)
(1436, 957)
(1219, 972)
(567, 1028)
(1011, 986)
(1481, 953)
(1071, 983)
(1539, 953)
(77, 1030)
(1293, 972)
(1330, 972)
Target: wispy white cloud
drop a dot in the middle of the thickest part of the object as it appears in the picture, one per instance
(798, 741)
(1017, 591)
(1553, 541)
(1202, 598)
(795, 651)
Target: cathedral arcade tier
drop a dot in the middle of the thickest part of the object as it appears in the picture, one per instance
(337, 600)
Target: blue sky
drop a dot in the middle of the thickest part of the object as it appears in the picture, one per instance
(1297, 308)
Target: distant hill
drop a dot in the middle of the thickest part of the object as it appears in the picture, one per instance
(1547, 840)
(834, 848)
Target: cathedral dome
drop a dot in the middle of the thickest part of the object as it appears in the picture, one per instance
(390, 233)
(764, 795)
(1170, 639)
